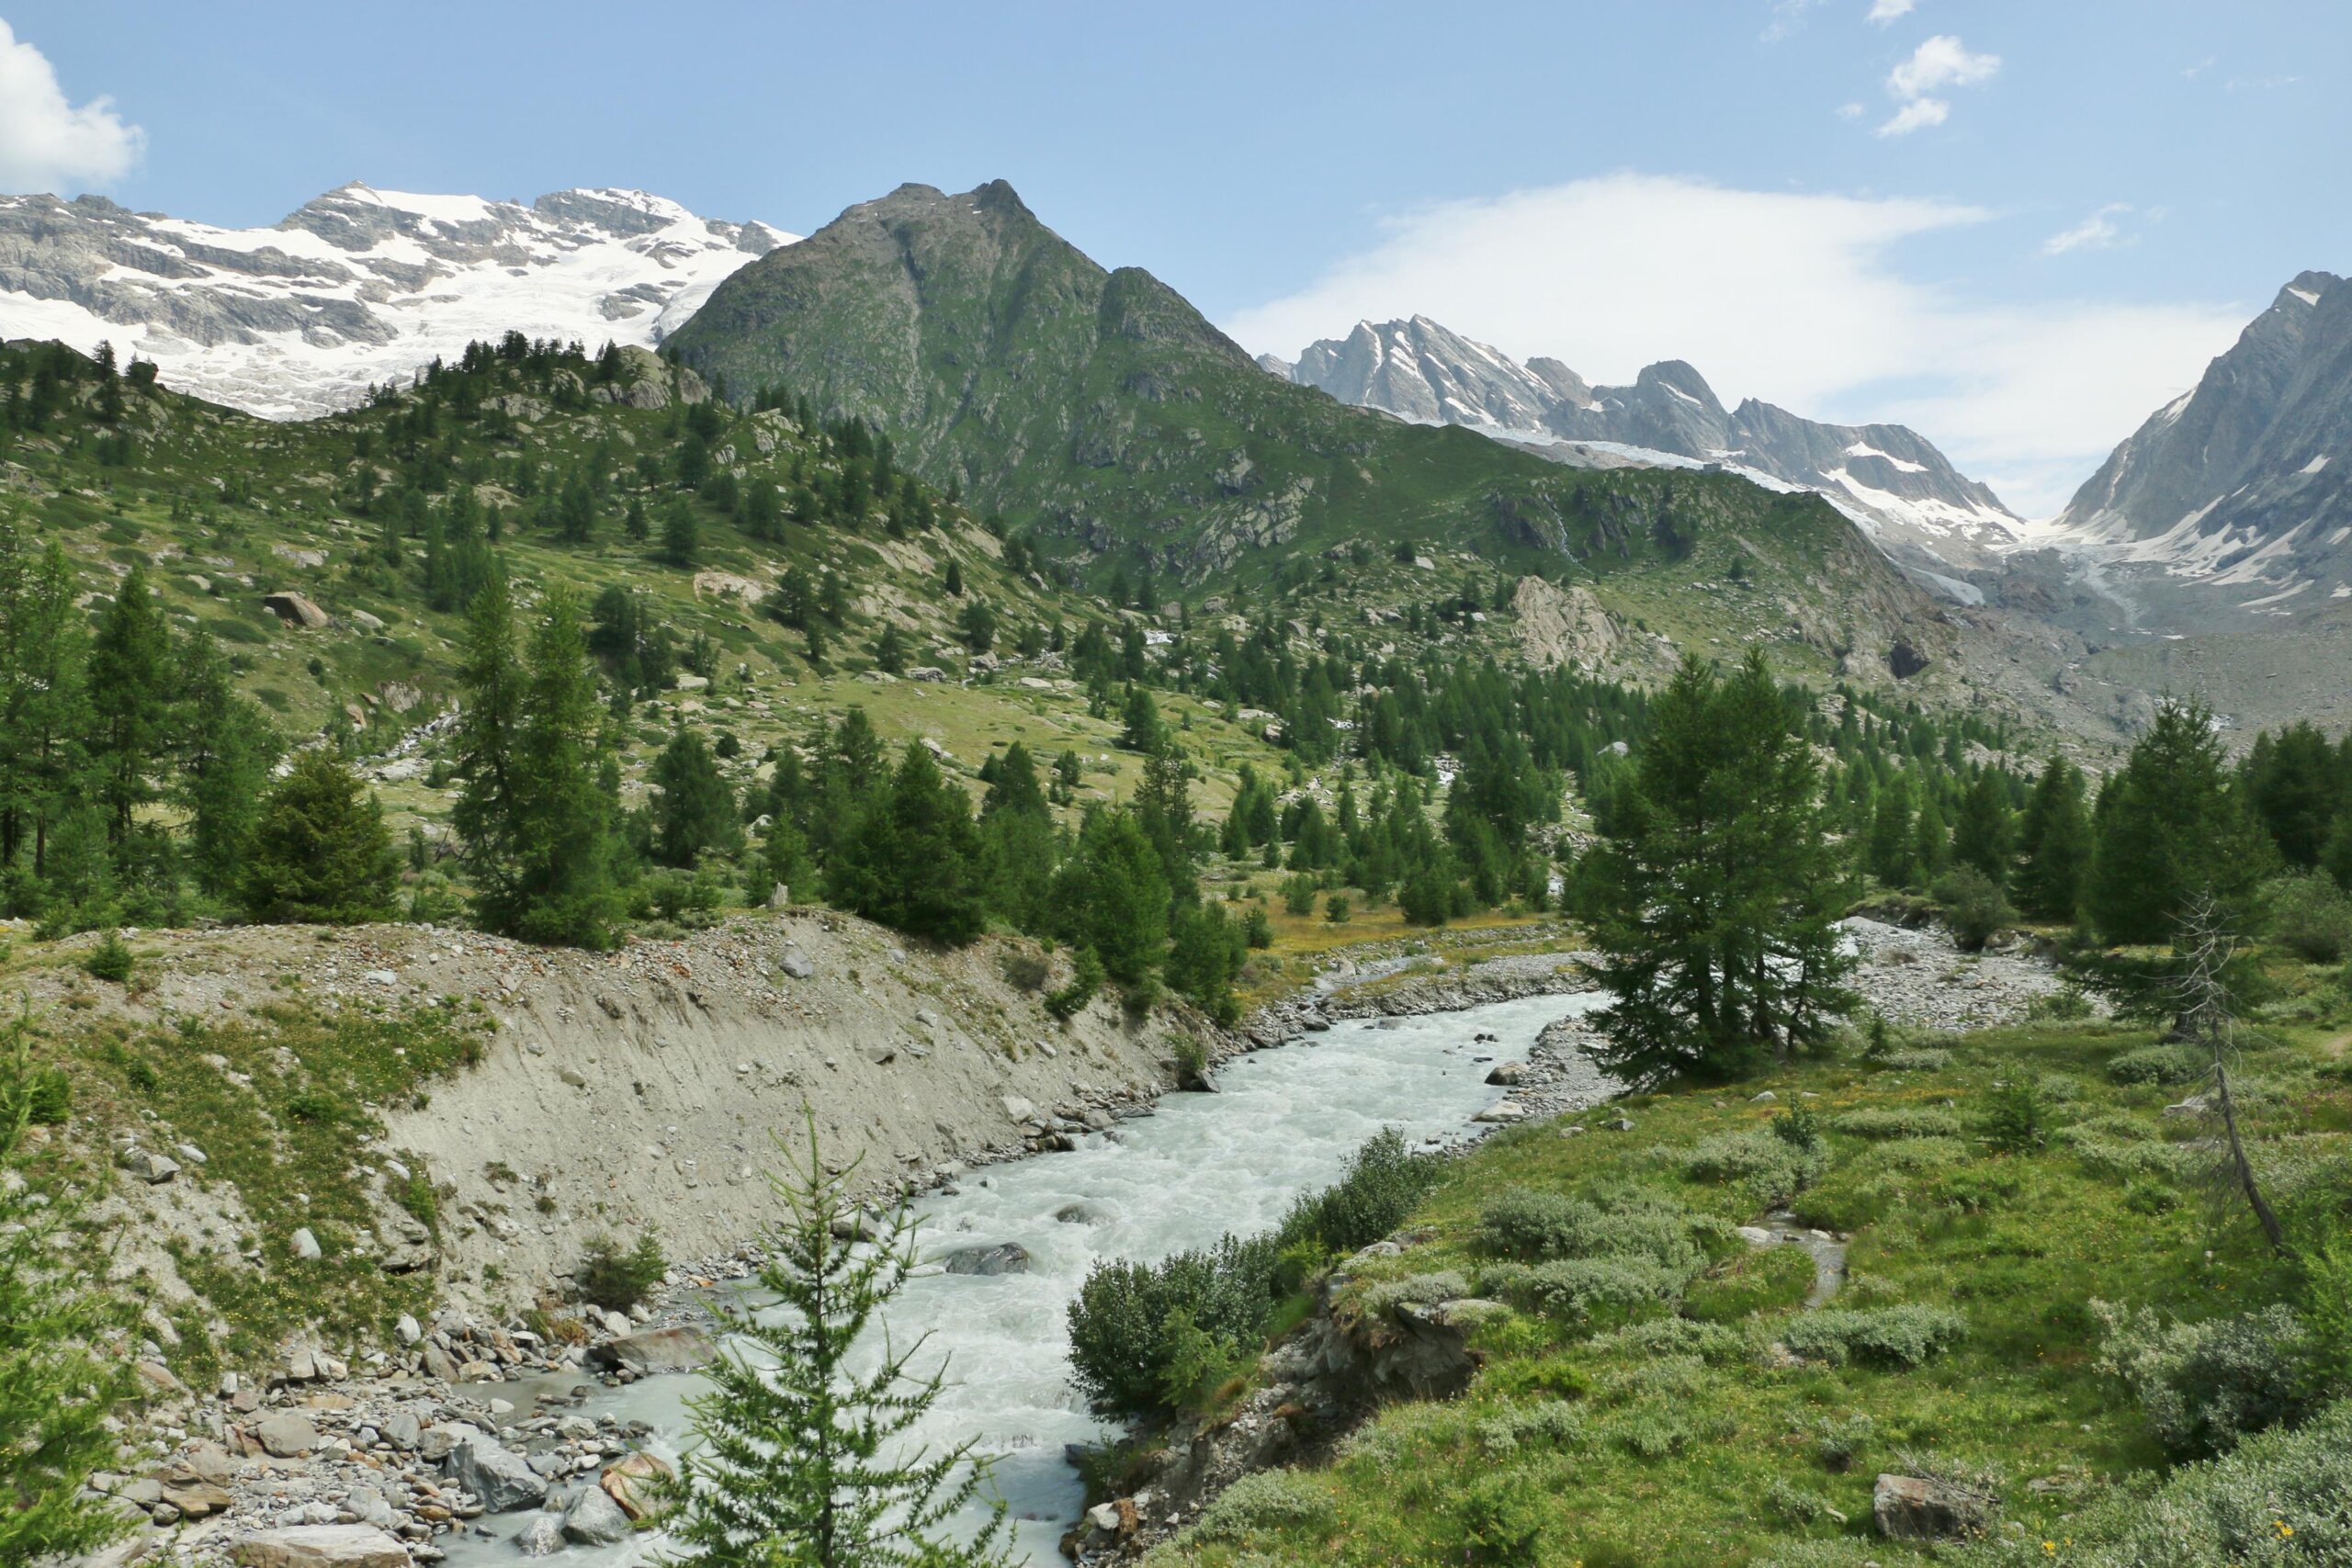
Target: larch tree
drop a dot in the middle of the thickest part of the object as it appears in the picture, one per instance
(1712, 902)
(800, 1460)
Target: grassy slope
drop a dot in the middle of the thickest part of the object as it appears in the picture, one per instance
(1680, 1461)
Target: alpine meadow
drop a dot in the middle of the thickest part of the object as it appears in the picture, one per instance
(868, 894)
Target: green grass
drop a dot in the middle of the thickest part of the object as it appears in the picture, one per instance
(289, 1138)
(1686, 1441)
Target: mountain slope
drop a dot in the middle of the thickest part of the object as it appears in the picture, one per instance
(1895, 483)
(358, 287)
(2239, 489)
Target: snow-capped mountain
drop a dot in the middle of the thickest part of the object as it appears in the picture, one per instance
(359, 286)
(1898, 488)
(2242, 484)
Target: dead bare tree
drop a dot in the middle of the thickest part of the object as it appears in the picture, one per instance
(2205, 1016)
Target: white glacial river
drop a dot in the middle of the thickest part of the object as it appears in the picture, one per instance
(1202, 1165)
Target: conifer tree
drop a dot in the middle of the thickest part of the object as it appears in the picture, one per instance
(1712, 904)
(1110, 895)
(1889, 850)
(694, 810)
(226, 754)
(2171, 831)
(2054, 844)
(1018, 842)
(488, 738)
(1983, 835)
(43, 649)
(913, 862)
(797, 1459)
(129, 689)
(680, 534)
(56, 1399)
(319, 851)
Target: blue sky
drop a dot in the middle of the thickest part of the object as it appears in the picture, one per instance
(2018, 226)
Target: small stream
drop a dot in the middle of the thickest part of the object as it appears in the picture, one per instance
(1200, 1166)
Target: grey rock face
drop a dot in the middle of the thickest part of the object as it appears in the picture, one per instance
(2259, 453)
(1903, 492)
(359, 286)
(496, 1474)
(286, 1435)
(656, 1350)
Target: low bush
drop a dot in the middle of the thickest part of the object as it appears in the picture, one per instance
(1917, 1059)
(2276, 1502)
(1772, 1170)
(1974, 907)
(2204, 1386)
(1501, 1517)
(110, 959)
(2065, 1004)
(1385, 1180)
(1531, 1225)
(2164, 1064)
(614, 1278)
(1261, 1500)
(1898, 1121)
(1588, 1292)
(2309, 916)
(2017, 1121)
(1901, 1337)
(1546, 1423)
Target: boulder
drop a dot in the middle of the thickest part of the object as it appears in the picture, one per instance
(1502, 1111)
(1912, 1507)
(496, 1474)
(407, 1330)
(306, 1245)
(1507, 1074)
(656, 1350)
(796, 965)
(401, 1430)
(543, 1536)
(1007, 1257)
(321, 1546)
(631, 1480)
(295, 610)
(196, 1499)
(1019, 1109)
(594, 1520)
(285, 1434)
(147, 1165)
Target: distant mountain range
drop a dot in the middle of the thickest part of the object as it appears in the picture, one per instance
(2237, 494)
(1902, 491)
(359, 286)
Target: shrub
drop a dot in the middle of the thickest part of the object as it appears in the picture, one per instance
(1587, 1292)
(1973, 907)
(1086, 980)
(1773, 1169)
(617, 1279)
(1502, 1521)
(110, 959)
(1026, 971)
(1795, 1504)
(1384, 1183)
(1546, 1423)
(1902, 1336)
(2065, 1004)
(2203, 1386)
(2016, 1120)
(2310, 916)
(1335, 909)
(1898, 1121)
(2229, 1509)
(1530, 1225)
(1917, 1059)
(1261, 1500)
(2164, 1064)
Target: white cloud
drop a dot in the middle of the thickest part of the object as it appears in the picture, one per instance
(1885, 11)
(1796, 299)
(46, 143)
(2099, 231)
(1916, 114)
(1940, 62)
